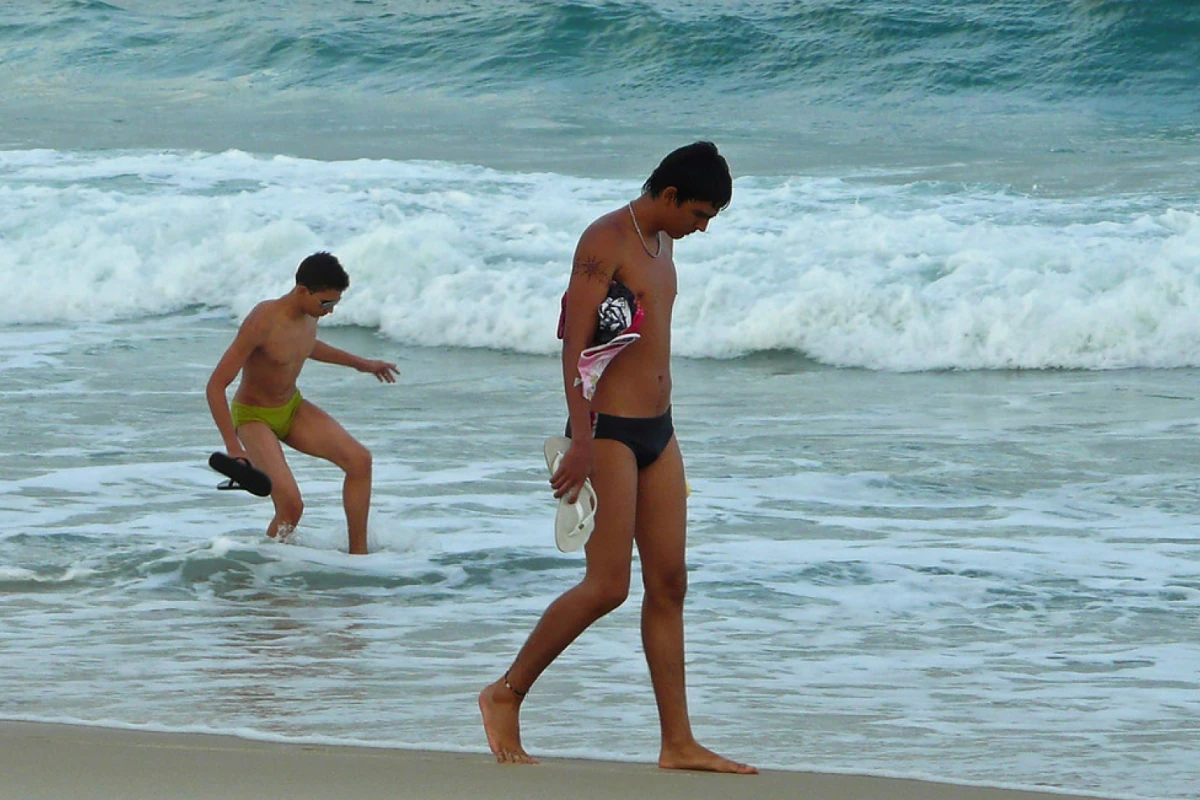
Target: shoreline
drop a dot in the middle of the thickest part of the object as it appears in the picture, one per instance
(55, 760)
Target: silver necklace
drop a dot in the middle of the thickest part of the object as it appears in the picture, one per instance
(641, 238)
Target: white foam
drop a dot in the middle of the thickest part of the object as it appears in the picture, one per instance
(887, 277)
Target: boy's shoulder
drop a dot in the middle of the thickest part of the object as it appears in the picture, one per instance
(261, 318)
(607, 228)
(602, 241)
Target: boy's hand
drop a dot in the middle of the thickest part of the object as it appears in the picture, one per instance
(384, 371)
(573, 470)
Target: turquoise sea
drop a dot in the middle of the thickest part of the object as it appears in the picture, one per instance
(936, 375)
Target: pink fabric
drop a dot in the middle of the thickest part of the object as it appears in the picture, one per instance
(594, 360)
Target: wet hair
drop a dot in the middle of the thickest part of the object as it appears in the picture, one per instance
(322, 271)
(697, 171)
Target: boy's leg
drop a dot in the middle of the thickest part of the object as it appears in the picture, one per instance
(266, 454)
(316, 433)
(661, 540)
(605, 586)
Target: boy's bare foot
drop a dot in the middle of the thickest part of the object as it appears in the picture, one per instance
(693, 756)
(501, 709)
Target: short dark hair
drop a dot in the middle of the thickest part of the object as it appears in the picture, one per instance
(322, 271)
(697, 171)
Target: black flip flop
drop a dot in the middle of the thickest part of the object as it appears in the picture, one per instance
(241, 473)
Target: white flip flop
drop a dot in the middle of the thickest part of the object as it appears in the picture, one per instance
(573, 522)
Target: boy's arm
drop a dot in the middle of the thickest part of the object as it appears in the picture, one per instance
(591, 272)
(249, 336)
(383, 370)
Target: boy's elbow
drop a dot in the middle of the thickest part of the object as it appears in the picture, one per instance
(216, 386)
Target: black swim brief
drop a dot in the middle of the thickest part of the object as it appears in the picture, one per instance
(647, 437)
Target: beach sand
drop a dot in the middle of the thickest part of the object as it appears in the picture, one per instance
(39, 760)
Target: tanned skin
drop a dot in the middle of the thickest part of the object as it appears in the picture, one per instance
(271, 347)
(647, 507)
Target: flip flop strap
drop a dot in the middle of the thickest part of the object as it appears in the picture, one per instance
(585, 515)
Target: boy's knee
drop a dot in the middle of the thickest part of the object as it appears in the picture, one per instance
(670, 588)
(608, 594)
(358, 461)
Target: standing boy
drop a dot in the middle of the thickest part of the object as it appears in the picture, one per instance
(624, 441)
(270, 349)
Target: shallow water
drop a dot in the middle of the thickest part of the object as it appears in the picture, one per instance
(980, 576)
(936, 390)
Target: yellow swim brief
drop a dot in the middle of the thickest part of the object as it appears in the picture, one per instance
(278, 418)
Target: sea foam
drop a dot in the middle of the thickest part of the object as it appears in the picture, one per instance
(852, 272)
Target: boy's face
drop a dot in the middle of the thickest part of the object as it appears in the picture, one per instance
(696, 215)
(685, 219)
(322, 302)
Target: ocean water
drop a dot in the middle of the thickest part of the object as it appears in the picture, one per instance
(935, 385)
